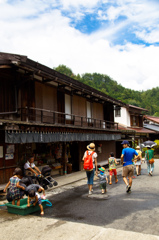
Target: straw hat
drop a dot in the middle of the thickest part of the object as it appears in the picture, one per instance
(91, 147)
(138, 147)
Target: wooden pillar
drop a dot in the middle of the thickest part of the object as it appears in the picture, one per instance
(80, 155)
(65, 158)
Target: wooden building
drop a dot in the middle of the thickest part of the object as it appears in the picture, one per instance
(51, 115)
(130, 119)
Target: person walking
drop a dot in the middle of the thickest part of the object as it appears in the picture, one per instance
(112, 168)
(128, 169)
(138, 162)
(90, 153)
(149, 155)
(103, 179)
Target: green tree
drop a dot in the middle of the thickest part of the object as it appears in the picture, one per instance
(145, 99)
(64, 70)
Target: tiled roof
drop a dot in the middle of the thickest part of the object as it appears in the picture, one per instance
(50, 75)
(142, 130)
(135, 129)
(152, 119)
(125, 128)
(143, 109)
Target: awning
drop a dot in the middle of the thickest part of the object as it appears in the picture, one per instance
(40, 137)
(142, 130)
(152, 127)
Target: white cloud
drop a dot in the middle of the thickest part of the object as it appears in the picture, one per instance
(149, 37)
(114, 12)
(78, 3)
(36, 29)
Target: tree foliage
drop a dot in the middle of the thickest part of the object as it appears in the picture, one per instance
(145, 99)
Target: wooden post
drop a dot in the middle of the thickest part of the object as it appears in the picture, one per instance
(80, 157)
(53, 117)
(65, 158)
(81, 121)
(41, 116)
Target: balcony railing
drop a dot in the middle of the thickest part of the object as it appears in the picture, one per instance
(37, 115)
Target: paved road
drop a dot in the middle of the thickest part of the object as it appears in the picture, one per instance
(138, 211)
(123, 213)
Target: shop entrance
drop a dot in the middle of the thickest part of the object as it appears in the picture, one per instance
(119, 149)
(73, 156)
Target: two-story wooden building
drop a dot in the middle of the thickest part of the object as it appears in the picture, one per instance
(51, 115)
(130, 119)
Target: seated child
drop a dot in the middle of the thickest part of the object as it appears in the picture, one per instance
(34, 198)
(14, 192)
(103, 179)
(112, 168)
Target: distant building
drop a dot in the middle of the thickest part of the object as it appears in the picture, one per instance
(152, 123)
(130, 119)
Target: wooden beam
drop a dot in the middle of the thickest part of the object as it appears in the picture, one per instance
(50, 80)
(61, 86)
(5, 66)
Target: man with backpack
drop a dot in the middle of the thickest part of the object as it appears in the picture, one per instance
(90, 165)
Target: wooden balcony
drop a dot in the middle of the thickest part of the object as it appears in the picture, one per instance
(43, 116)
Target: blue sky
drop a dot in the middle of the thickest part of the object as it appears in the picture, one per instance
(119, 38)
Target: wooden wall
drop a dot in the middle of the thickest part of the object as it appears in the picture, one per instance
(78, 106)
(107, 147)
(97, 111)
(7, 166)
(45, 98)
(7, 90)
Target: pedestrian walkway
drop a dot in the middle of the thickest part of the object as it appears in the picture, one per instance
(70, 178)
(50, 228)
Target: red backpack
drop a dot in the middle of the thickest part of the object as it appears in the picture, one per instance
(88, 162)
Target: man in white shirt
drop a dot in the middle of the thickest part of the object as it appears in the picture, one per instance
(30, 168)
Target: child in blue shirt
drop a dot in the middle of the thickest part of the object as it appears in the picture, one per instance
(103, 179)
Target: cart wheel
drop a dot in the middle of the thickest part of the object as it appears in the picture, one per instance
(45, 187)
(50, 185)
(55, 183)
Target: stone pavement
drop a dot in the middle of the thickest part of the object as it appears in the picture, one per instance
(41, 228)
